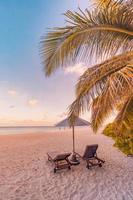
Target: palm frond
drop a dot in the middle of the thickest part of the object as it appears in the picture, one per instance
(112, 94)
(106, 3)
(100, 112)
(99, 72)
(125, 116)
(51, 48)
(99, 33)
(103, 83)
(112, 3)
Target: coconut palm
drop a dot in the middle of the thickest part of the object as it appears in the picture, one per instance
(106, 33)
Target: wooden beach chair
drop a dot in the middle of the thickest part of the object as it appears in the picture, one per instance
(60, 161)
(90, 156)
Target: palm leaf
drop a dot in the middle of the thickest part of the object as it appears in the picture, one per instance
(106, 3)
(94, 85)
(101, 33)
(111, 96)
(112, 3)
(99, 72)
(125, 116)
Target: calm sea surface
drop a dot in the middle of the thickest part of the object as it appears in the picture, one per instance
(30, 129)
(26, 129)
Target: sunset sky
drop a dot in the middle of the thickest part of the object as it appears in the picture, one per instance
(26, 96)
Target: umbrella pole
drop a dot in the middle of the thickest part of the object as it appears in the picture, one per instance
(74, 160)
(73, 139)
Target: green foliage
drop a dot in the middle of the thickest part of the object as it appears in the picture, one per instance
(123, 140)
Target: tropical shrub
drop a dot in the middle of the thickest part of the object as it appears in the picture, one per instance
(123, 138)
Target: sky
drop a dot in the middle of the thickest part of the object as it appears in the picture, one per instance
(27, 97)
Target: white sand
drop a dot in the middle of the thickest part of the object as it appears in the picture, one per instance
(25, 173)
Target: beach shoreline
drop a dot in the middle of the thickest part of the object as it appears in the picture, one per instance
(26, 174)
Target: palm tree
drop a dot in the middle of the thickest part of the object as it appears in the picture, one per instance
(105, 33)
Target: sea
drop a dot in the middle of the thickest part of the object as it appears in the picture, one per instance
(30, 129)
(26, 129)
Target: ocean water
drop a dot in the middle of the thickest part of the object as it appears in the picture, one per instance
(26, 129)
(31, 129)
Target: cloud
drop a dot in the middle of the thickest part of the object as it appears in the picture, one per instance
(12, 93)
(76, 69)
(12, 106)
(64, 114)
(33, 102)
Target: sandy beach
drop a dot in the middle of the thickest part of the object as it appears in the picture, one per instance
(25, 173)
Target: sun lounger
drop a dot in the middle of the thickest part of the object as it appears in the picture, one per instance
(90, 156)
(60, 160)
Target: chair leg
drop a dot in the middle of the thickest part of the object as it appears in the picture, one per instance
(69, 167)
(68, 162)
(100, 160)
(89, 164)
(49, 158)
(100, 164)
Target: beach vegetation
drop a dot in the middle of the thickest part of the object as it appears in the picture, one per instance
(122, 141)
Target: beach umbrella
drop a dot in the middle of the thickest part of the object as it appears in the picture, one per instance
(78, 122)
